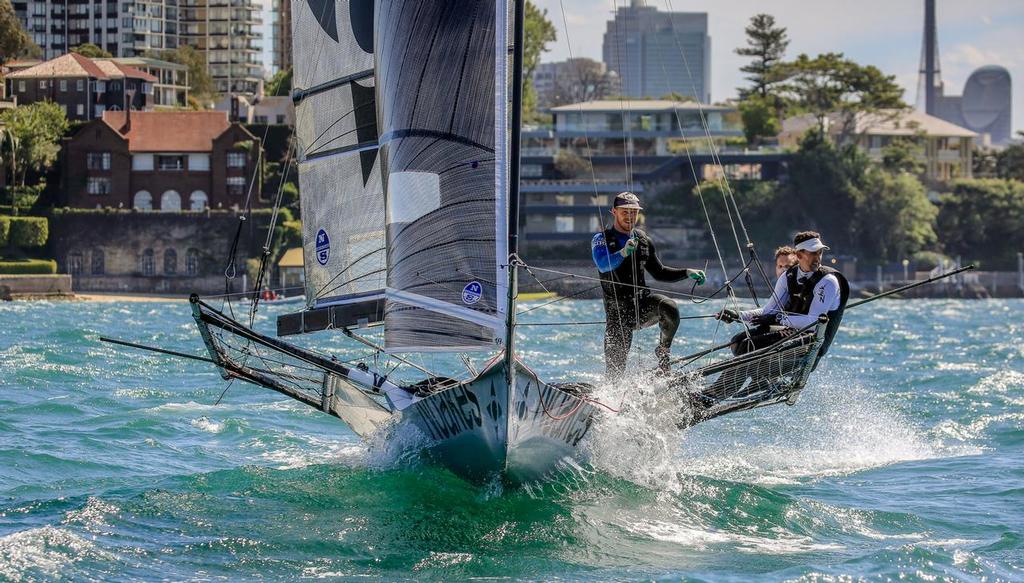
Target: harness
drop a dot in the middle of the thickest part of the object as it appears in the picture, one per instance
(801, 296)
(618, 284)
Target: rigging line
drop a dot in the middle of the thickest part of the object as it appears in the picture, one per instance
(593, 173)
(660, 290)
(366, 255)
(308, 148)
(310, 151)
(560, 299)
(264, 260)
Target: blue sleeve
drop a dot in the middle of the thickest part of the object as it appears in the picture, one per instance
(604, 259)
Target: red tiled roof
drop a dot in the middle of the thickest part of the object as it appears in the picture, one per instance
(136, 73)
(170, 131)
(69, 65)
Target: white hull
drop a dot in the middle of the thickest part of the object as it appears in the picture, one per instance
(480, 429)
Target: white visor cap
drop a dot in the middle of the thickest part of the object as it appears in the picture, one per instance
(812, 245)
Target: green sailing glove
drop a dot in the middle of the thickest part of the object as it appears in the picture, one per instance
(698, 275)
(629, 247)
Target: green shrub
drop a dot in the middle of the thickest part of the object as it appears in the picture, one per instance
(29, 231)
(28, 267)
(5, 230)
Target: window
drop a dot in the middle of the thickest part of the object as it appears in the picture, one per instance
(192, 262)
(261, 119)
(75, 262)
(148, 265)
(98, 111)
(80, 85)
(98, 264)
(101, 86)
(63, 84)
(280, 118)
(170, 201)
(198, 162)
(197, 201)
(42, 83)
(98, 160)
(143, 201)
(236, 185)
(173, 162)
(564, 199)
(98, 185)
(170, 262)
(564, 224)
(595, 224)
(21, 86)
(236, 159)
(142, 162)
(80, 109)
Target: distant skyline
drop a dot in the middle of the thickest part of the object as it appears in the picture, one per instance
(982, 32)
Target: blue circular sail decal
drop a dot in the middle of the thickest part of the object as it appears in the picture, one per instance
(323, 247)
(472, 293)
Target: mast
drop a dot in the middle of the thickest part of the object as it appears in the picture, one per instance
(518, 15)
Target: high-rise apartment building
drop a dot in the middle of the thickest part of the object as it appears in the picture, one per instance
(658, 53)
(125, 28)
(227, 31)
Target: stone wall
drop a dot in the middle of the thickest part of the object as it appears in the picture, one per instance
(153, 252)
(14, 287)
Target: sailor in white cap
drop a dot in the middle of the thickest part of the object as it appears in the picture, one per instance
(804, 292)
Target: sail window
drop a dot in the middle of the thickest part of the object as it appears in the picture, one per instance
(412, 195)
(143, 201)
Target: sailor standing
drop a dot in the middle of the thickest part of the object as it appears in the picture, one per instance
(622, 254)
(802, 293)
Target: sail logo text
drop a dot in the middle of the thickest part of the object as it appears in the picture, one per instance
(472, 293)
(323, 247)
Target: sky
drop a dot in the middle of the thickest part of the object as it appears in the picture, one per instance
(884, 33)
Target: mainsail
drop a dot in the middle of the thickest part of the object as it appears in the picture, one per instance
(339, 166)
(442, 106)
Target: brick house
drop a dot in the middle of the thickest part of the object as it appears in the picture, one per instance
(161, 160)
(84, 87)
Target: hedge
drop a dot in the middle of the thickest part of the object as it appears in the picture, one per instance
(5, 230)
(29, 231)
(28, 267)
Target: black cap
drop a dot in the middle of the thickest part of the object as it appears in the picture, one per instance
(627, 200)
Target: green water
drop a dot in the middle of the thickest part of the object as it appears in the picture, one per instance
(903, 460)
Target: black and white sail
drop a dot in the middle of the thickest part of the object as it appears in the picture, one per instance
(442, 89)
(339, 163)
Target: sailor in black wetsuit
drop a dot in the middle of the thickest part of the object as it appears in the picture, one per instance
(802, 293)
(622, 253)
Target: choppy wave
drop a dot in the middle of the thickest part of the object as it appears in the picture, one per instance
(902, 460)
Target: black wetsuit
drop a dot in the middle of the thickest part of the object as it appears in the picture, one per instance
(628, 303)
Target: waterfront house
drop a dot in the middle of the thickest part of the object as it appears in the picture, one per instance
(161, 160)
(85, 88)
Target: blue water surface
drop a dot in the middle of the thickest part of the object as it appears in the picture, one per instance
(903, 460)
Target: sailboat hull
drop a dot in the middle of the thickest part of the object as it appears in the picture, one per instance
(484, 428)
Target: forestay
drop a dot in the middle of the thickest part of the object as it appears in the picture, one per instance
(442, 90)
(339, 166)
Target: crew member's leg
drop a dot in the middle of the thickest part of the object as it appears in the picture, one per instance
(760, 337)
(661, 309)
(618, 337)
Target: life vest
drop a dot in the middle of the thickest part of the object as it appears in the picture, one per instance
(618, 284)
(801, 296)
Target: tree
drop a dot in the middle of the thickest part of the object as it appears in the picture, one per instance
(280, 83)
(984, 162)
(904, 155)
(981, 220)
(569, 165)
(92, 51)
(831, 83)
(894, 217)
(14, 41)
(33, 137)
(587, 80)
(200, 81)
(759, 119)
(1010, 163)
(766, 44)
(538, 32)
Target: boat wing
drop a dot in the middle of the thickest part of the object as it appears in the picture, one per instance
(768, 376)
(348, 393)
